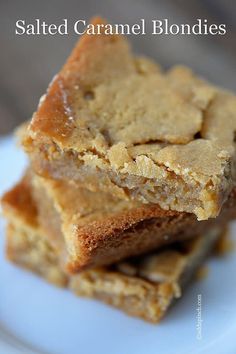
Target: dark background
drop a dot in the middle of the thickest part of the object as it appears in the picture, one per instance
(27, 63)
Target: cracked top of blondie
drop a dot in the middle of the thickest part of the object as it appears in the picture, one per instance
(162, 137)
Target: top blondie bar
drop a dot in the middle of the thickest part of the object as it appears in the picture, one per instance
(116, 122)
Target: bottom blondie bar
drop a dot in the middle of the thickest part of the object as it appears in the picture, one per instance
(144, 286)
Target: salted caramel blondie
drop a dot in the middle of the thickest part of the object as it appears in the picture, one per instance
(116, 122)
(144, 286)
(91, 229)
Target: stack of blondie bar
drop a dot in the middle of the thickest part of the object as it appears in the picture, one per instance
(131, 178)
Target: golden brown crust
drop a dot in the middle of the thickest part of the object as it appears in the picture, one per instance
(99, 229)
(98, 233)
(55, 114)
(144, 287)
(18, 201)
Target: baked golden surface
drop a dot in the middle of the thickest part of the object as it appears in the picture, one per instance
(114, 121)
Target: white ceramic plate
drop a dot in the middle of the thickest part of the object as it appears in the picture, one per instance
(38, 318)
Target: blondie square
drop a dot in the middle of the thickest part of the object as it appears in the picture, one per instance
(89, 229)
(144, 286)
(116, 122)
